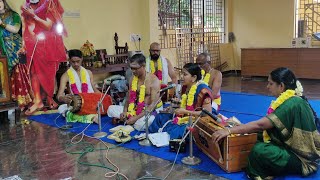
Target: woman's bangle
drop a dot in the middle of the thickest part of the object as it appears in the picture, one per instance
(3, 25)
(228, 129)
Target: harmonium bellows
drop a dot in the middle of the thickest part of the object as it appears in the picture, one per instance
(231, 154)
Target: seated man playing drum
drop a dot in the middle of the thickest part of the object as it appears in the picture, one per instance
(142, 97)
(80, 81)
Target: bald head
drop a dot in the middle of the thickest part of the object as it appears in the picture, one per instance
(155, 51)
(203, 60)
(154, 45)
(204, 57)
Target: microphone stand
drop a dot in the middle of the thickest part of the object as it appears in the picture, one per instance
(146, 141)
(190, 160)
(100, 134)
(66, 126)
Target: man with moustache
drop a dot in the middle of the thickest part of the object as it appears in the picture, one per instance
(142, 96)
(159, 65)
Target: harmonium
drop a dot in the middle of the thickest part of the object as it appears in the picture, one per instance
(231, 153)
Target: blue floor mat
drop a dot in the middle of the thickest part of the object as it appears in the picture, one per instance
(246, 107)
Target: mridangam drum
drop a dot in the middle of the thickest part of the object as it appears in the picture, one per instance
(86, 103)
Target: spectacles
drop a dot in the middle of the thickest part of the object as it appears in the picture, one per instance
(135, 68)
(202, 63)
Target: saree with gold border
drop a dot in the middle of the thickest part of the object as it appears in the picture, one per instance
(295, 143)
(174, 130)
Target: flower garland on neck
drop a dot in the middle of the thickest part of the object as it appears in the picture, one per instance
(186, 103)
(205, 76)
(132, 110)
(83, 79)
(281, 99)
(274, 105)
(158, 73)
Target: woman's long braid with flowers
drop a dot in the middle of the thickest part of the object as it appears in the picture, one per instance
(281, 99)
(299, 92)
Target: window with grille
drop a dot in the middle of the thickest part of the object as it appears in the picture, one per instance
(205, 14)
(307, 18)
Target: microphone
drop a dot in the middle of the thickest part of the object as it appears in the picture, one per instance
(168, 87)
(216, 118)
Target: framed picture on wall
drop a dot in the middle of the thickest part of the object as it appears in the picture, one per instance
(4, 81)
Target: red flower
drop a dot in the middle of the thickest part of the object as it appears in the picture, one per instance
(133, 96)
(140, 107)
(190, 108)
(159, 74)
(175, 120)
(74, 89)
(84, 87)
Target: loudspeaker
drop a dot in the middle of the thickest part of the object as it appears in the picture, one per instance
(174, 145)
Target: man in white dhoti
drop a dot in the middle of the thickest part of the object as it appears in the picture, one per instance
(142, 97)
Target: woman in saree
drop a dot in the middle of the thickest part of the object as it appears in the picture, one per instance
(10, 42)
(43, 33)
(197, 96)
(290, 141)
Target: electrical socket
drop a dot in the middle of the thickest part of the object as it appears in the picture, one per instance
(135, 37)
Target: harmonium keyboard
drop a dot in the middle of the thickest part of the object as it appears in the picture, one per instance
(231, 153)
